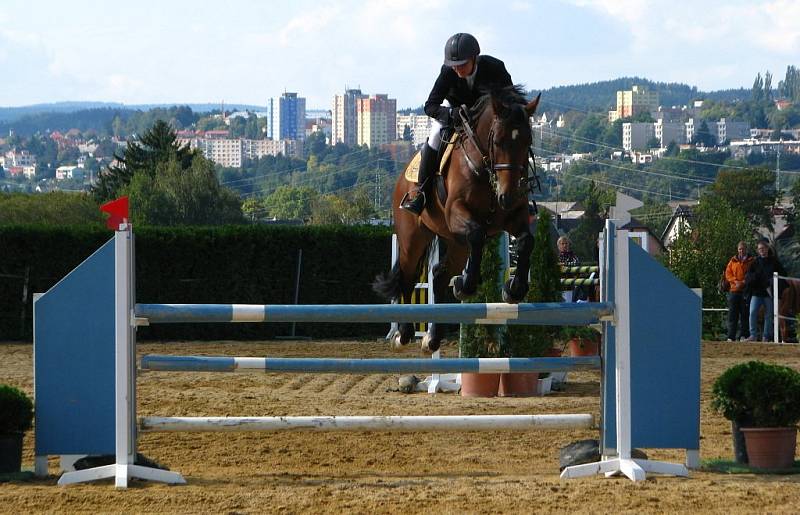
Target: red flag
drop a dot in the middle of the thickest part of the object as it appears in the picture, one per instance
(118, 209)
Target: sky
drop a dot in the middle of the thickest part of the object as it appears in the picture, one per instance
(175, 51)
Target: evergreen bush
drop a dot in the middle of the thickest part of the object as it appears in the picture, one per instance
(757, 394)
(16, 410)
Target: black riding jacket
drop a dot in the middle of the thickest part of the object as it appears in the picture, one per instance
(491, 72)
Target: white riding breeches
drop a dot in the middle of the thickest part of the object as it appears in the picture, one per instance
(435, 137)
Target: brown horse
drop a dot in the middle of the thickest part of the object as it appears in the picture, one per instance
(486, 183)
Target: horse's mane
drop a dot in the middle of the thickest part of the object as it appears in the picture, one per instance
(504, 95)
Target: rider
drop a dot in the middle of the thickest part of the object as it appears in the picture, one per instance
(465, 76)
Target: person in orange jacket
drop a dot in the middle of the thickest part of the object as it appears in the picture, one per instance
(738, 301)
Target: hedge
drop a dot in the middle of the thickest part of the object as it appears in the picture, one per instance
(229, 264)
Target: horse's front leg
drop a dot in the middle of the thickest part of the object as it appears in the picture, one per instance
(515, 289)
(466, 284)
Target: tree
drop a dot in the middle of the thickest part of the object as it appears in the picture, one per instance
(545, 286)
(407, 133)
(157, 145)
(789, 87)
(751, 192)
(703, 136)
(584, 236)
(291, 203)
(589, 131)
(175, 195)
(699, 254)
(332, 209)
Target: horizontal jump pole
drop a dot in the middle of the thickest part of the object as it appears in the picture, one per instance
(369, 423)
(544, 313)
(579, 281)
(584, 269)
(366, 366)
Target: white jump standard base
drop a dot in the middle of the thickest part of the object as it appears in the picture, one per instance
(635, 470)
(121, 474)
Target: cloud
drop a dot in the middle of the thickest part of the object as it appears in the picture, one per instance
(308, 23)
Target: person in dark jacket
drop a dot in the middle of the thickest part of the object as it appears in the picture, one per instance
(758, 282)
(465, 76)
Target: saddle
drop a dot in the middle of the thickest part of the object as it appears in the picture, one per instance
(412, 170)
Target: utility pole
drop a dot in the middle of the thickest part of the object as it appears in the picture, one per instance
(778, 169)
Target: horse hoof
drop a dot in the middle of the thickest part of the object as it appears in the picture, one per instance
(429, 344)
(397, 341)
(457, 283)
(508, 294)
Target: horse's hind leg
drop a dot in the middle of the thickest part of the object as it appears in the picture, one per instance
(454, 259)
(433, 337)
(413, 248)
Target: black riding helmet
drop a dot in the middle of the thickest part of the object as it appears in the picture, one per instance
(460, 48)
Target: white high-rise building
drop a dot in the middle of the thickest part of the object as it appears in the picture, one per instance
(344, 122)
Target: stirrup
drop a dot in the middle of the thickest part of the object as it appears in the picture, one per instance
(415, 205)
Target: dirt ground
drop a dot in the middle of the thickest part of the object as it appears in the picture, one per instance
(384, 472)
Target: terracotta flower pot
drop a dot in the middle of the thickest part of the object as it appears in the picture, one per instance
(584, 347)
(770, 447)
(479, 385)
(524, 384)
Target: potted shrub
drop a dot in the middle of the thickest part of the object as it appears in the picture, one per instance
(763, 400)
(582, 340)
(528, 341)
(484, 341)
(16, 416)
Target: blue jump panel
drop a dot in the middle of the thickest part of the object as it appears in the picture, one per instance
(665, 360)
(74, 360)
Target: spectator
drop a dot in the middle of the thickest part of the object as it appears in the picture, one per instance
(738, 302)
(758, 283)
(565, 255)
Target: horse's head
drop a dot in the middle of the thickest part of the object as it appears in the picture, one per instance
(505, 119)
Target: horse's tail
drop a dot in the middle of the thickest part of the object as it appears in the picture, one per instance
(389, 285)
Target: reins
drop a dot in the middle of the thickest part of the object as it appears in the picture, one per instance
(527, 182)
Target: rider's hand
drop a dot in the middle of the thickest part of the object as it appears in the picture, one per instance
(448, 116)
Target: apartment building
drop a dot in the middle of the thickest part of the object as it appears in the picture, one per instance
(21, 158)
(668, 132)
(731, 130)
(231, 152)
(376, 120)
(286, 117)
(418, 124)
(630, 103)
(69, 172)
(257, 148)
(637, 135)
(344, 117)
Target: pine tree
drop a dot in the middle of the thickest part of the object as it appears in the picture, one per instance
(545, 286)
(159, 144)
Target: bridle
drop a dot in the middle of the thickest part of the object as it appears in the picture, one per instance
(527, 182)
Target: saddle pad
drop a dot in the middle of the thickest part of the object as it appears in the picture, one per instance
(412, 170)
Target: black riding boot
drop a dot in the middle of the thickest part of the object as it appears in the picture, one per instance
(429, 158)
